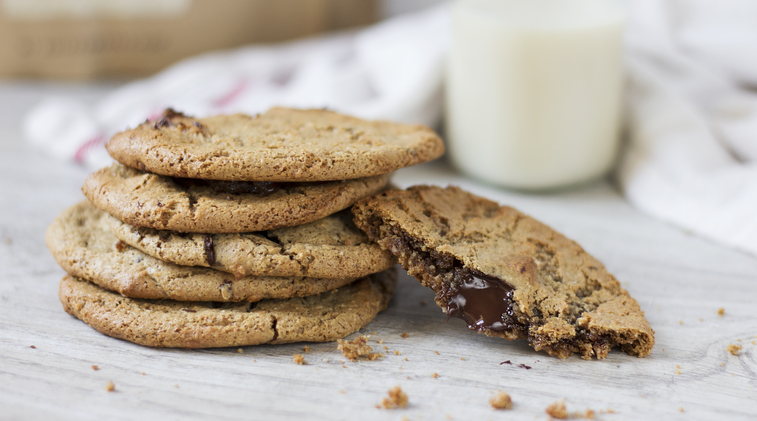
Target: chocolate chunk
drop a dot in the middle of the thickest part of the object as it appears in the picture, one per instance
(210, 251)
(481, 300)
(524, 366)
(165, 120)
(230, 188)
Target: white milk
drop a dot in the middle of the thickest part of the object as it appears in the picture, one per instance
(534, 90)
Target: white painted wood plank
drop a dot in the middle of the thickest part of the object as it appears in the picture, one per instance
(676, 277)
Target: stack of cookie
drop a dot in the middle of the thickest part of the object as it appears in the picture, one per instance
(234, 230)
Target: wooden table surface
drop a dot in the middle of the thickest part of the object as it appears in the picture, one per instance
(680, 281)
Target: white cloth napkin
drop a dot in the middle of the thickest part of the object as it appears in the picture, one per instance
(692, 154)
(691, 157)
(391, 71)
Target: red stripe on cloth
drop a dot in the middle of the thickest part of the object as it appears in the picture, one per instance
(87, 146)
(230, 96)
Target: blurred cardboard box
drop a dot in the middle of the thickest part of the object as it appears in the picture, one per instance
(84, 39)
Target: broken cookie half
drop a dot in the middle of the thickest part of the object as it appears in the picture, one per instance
(505, 273)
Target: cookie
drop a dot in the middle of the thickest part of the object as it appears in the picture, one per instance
(165, 323)
(280, 145)
(505, 273)
(82, 243)
(331, 247)
(185, 205)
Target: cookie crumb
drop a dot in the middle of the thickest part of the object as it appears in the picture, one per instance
(405, 358)
(341, 391)
(733, 349)
(33, 347)
(680, 409)
(501, 400)
(589, 414)
(357, 348)
(176, 385)
(373, 333)
(435, 375)
(299, 359)
(558, 410)
(95, 367)
(397, 399)
(678, 369)
(142, 373)
(404, 335)
(380, 341)
(721, 312)
(722, 364)
(396, 352)
(110, 387)
(120, 246)
(680, 322)
(306, 349)
(437, 352)
(240, 351)
(405, 418)
(462, 359)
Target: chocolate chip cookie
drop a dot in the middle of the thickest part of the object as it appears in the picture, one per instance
(505, 273)
(80, 240)
(281, 145)
(186, 205)
(331, 247)
(165, 323)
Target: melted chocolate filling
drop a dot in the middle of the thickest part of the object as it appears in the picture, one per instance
(483, 301)
(258, 188)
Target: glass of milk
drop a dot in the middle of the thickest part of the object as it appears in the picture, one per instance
(534, 90)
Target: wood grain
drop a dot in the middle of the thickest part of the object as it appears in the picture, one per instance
(680, 281)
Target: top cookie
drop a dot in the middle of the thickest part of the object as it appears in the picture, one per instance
(280, 145)
(505, 273)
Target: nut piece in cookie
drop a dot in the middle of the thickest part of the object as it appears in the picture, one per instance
(504, 273)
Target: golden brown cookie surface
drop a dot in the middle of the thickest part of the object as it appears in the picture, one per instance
(331, 247)
(281, 145)
(80, 240)
(166, 323)
(164, 203)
